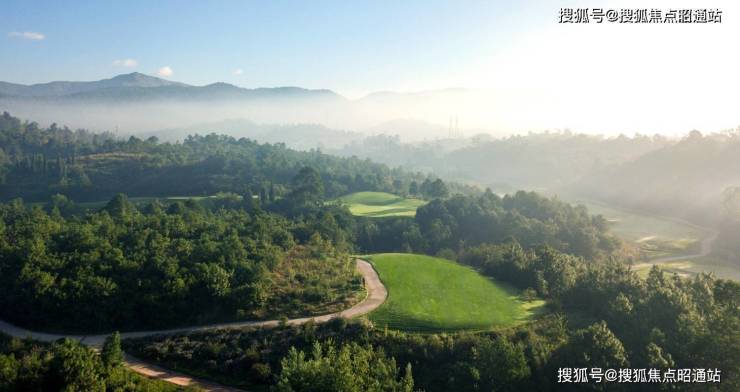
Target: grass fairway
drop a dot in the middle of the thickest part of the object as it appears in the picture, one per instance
(688, 268)
(380, 204)
(429, 294)
(655, 236)
(659, 237)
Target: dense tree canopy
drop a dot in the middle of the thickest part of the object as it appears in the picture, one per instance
(462, 221)
(606, 317)
(266, 243)
(36, 163)
(122, 268)
(351, 368)
(65, 365)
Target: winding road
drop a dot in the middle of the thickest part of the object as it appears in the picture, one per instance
(376, 295)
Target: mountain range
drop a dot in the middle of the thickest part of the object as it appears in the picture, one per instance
(140, 86)
(136, 103)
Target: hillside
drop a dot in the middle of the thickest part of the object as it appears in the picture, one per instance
(687, 179)
(36, 163)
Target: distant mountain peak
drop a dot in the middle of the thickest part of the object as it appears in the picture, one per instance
(221, 85)
(131, 75)
(65, 88)
(138, 79)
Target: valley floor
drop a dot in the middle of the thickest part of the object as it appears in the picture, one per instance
(674, 245)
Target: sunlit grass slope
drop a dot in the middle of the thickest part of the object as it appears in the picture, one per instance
(380, 204)
(429, 294)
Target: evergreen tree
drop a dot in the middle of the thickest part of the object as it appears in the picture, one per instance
(76, 368)
(413, 188)
(119, 206)
(438, 189)
(111, 354)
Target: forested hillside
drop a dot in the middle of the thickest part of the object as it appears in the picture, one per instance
(686, 179)
(606, 318)
(549, 160)
(36, 163)
(146, 267)
(145, 264)
(167, 265)
(273, 240)
(450, 225)
(369, 196)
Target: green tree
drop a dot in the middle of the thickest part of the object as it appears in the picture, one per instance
(308, 188)
(413, 188)
(657, 358)
(76, 368)
(9, 368)
(119, 206)
(502, 364)
(595, 346)
(62, 204)
(438, 189)
(347, 369)
(111, 354)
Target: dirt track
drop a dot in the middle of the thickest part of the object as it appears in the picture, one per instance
(376, 295)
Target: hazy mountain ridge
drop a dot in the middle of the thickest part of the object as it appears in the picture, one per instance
(62, 88)
(140, 86)
(137, 103)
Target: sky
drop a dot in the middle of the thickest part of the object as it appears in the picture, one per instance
(539, 74)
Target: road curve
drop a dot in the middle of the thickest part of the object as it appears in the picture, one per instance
(376, 295)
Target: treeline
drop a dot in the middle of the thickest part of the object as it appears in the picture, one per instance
(450, 225)
(606, 317)
(161, 265)
(66, 365)
(551, 160)
(687, 179)
(23, 140)
(36, 163)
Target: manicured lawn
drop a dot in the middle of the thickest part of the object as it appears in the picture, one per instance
(655, 236)
(380, 204)
(659, 237)
(428, 294)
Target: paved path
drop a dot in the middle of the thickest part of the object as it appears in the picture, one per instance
(376, 295)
